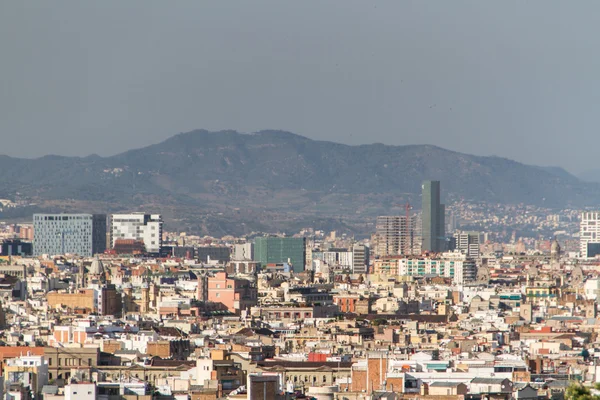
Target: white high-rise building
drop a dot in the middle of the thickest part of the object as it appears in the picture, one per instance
(138, 226)
(589, 234)
(467, 243)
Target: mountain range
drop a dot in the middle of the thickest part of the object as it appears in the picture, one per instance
(230, 182)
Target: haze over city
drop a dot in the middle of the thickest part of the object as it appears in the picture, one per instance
(269, 200)
(513, 79)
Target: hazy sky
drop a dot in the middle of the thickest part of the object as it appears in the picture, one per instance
(512, 78)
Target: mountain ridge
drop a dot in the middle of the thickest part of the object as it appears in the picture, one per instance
(274, 177)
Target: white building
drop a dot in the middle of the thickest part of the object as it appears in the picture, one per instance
(589, 234)
(31, 371)
(139, 227)
(591, 288)
(467, 243)
(243, 252)
(80, 391)
(455, 265)
(339, 257)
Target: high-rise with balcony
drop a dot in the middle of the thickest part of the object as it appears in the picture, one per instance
(146, 228)
(433, 218)
(81, 234)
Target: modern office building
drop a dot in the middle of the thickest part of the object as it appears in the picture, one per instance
(360, 259)
(81, 234)
(15, 247)
(589, 234)
(138, 227)
(339, 258)
(433, 218)
(277, 250)
(206, 254)
(467, 243)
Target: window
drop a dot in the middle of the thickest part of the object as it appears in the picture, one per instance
(217, 294)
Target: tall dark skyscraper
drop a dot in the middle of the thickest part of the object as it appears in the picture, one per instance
(434, 231)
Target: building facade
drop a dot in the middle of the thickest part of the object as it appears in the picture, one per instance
(81, 234)
(433, 218)
(589, 234)
(138, 227)
(277, 250)
(15, 247)
(449, 265)
(236, 294)
(360, 258)
(467, 243)
(396, 235)
(213, 253)
(243, 252)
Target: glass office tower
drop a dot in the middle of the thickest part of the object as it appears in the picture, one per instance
(433, 218)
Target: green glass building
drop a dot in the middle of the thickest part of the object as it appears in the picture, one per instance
(277, 250)
(433, 217)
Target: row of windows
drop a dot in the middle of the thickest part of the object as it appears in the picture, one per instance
(61, 217)
(70, 361)
(308, 378)
(296, 315)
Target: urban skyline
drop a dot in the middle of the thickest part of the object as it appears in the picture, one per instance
(299, 201)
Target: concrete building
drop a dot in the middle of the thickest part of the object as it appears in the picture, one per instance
(457, 266)
(19, 271)
(467, 243)
(30, 371)
(341, 258)
(360, 258)
(277, 250)
(235, 294)
(213, 253)
(61, 361)
(81, 391)
(396, 235)
(138, 227)
(15, 247)
(105, 300)
(263, 386)
(81, 234)
(589, 234)
(243, 252)
(433, 218)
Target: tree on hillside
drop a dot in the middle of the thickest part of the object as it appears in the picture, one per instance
(577, 391)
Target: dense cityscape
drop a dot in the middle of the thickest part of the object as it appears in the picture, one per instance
(118, 306)
(299, 200)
